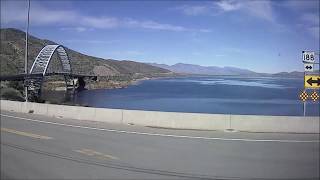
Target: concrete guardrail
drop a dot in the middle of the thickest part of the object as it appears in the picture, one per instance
(249, 123)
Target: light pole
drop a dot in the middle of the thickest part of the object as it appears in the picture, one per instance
(26, 51)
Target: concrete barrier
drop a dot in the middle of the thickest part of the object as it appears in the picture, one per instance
(11, 106)
(86, 113)
(176, 120)
(250, 123)
(295, 124)
(55, 110)
(35, 108)
(72, 112)
(109, 115)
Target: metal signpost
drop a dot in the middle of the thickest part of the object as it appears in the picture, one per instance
(311, 78)
(26, 50)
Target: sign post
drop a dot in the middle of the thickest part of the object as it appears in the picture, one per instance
(304, 108)
(311, 78)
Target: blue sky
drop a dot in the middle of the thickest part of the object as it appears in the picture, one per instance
(261, 35)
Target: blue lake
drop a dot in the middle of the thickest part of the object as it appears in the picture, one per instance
(217, 95)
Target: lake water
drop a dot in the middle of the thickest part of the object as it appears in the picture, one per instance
(218, 95)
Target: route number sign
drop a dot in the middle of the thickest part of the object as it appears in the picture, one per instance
(308, 56)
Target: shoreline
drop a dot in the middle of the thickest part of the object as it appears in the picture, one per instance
(114, 84)
(126, 84)
(105, 84)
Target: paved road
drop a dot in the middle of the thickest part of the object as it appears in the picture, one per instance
(39, 147)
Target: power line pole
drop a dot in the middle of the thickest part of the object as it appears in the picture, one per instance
(26, 50)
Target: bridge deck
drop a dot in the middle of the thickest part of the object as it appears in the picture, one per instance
(21, 77)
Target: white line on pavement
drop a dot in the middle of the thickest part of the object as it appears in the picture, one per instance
(165, 135)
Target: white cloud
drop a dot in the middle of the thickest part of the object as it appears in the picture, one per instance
(153, 25)
(261, 9)
(100, 22)
(257, 8)
(219, 55)
(229, 5)
(77, 29)
(81, 29)
(14, 12)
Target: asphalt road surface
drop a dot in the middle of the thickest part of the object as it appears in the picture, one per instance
(39, 147)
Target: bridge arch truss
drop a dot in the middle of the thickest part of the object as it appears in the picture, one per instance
(40, 66)
(42, 61)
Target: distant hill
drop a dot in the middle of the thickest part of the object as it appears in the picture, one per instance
(289, 74)
(12, 58)
(12, 61)
(204, 70)
(214, 70)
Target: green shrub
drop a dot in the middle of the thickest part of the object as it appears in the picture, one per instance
(18, 85)
(11, 94)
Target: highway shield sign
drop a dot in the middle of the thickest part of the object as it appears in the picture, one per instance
(308, 56)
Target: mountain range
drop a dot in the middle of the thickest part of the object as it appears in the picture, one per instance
(12, 61)
(204, 70)
(215, 70)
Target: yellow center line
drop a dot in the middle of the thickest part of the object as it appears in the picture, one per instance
(99, 155)
(21, 133)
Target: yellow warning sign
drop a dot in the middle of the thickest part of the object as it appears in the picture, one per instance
(312, 81)
(314, 96)
(304, 96)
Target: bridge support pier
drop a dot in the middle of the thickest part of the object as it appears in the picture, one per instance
(81, 84)
(33, 86)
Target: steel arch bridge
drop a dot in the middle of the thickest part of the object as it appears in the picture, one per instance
(34, 79)
(40, 65)
(44, 57)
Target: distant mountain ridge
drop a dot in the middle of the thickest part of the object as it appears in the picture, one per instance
(12, 61)
(215, 70)
(204, 70)
(289, 74)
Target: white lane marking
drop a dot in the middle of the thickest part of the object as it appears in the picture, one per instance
(99, 155)
(166, 135)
